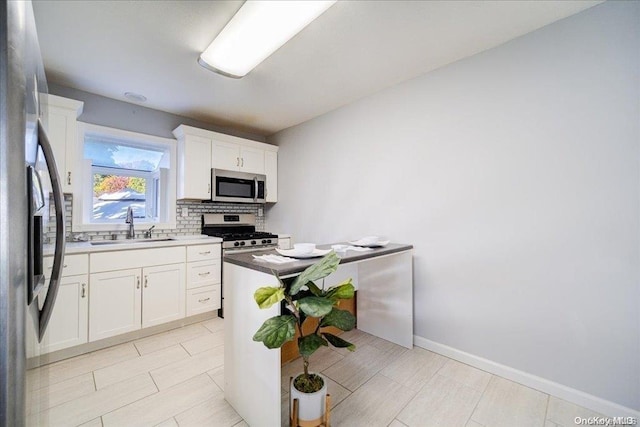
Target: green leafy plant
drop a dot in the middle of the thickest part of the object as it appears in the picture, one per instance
(305, 300)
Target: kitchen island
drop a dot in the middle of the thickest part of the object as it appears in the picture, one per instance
(383, 279)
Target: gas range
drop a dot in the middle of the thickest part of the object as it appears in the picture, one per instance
(238, 232)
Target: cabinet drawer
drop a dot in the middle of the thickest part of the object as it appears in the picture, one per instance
(203, 273)
(204, 299)
(72, 265)
(203, 252)
(126, 259)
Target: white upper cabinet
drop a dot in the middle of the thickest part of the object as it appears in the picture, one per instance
(225, 155)
(252, 159)
(194, 165)
(62, 129)
(234, 156)
(200, 150)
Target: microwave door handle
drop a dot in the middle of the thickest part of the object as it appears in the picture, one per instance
(255, 188)
(58, 258)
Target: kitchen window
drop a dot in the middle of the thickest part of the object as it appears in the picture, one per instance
(122, 169)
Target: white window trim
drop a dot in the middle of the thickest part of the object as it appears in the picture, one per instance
(81, 187)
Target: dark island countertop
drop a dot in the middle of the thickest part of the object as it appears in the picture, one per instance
(247, 260)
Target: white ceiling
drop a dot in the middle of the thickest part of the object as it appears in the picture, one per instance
(354, 49)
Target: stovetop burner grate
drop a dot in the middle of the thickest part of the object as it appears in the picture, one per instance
(237, 231)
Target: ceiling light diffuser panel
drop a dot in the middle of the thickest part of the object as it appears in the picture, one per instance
(257, 30)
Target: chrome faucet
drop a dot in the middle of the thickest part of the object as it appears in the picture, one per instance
(147, 234)
(130, 233)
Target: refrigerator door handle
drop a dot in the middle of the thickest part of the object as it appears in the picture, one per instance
(58, 257)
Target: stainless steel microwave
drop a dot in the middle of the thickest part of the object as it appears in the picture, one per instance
(238, 187)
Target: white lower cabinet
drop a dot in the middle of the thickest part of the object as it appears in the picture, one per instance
(201, 300)
(204, 268)
(68, 324)
(127, 300)
(69, 319)
(116, 303)
(163, 294)
(109, 293)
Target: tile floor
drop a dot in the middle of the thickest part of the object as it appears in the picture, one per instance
(175, 378)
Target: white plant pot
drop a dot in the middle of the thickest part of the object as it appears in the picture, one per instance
(311, 406)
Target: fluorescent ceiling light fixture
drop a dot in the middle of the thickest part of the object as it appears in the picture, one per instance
(257, 30)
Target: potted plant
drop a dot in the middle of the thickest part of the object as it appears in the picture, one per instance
(305, 300)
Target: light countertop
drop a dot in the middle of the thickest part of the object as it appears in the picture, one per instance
(123, 245)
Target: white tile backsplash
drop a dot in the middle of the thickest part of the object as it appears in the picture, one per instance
(188, 219)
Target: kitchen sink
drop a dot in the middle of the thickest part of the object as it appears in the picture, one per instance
(120, 242)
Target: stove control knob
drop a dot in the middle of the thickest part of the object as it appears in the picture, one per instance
(236, 243)
(264, 241)
(241, 243)
(253, 242)
(269, 241)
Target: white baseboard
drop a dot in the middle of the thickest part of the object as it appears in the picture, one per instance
(602, 406)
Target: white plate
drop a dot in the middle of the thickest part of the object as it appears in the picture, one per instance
(377, 244)
(294, 254)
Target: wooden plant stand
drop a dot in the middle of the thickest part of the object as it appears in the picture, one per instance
(293, 413)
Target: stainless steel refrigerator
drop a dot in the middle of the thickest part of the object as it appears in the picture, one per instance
(27, 168)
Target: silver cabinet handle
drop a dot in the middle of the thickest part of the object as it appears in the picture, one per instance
(138, 280)
(84, 290)
(146, 281)
(205, 253)
(68, 178)
(206, 273)
(237, 161)
(242, 161)
(204, 300)
(208, 188)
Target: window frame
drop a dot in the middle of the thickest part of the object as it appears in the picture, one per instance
(83, 188)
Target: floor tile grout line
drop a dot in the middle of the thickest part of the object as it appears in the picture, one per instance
(546, 410)
(199, 403)
(81, 357)
(154, 382)
(396, 419)
(101, 415)
(415, 393)
(95, 390)
(475, 408)
(185, 349)
(168, 334)
(134, 401)
(140, 373)
(374, 374)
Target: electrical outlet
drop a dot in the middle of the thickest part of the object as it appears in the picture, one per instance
(184, 211)
(260, 212)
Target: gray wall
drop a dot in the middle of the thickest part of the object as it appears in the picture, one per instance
(99, 110)
(515, 173)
